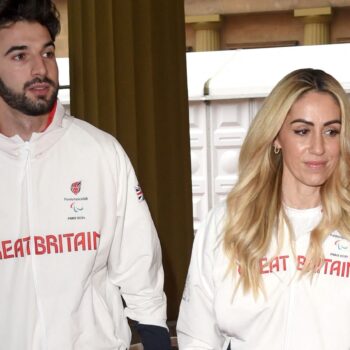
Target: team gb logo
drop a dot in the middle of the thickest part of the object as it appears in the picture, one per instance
(75, 187)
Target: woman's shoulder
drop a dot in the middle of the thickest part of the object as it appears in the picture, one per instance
(211, 231)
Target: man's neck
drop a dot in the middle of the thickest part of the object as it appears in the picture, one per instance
(13, 122)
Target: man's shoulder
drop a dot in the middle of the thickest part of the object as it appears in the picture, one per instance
(83, 127)
(93, 139)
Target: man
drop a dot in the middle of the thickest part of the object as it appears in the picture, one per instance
(76, 239)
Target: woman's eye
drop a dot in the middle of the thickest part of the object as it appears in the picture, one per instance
(301, 132)
(332, 132)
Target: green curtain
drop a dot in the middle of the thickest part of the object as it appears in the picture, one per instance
(128, 77)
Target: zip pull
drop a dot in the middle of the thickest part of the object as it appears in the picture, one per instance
(26, 145)
(26, 150)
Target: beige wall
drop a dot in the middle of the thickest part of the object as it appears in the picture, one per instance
(190, 37)
(265, 29)
(243, 23)
(224, 7)
(249, 29)
(340, 28)
(62, 39)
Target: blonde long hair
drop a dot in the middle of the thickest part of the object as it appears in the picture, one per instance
(254, 209)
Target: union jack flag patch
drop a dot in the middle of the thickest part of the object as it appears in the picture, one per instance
(139, 193)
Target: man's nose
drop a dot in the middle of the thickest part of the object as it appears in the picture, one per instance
(39, 66)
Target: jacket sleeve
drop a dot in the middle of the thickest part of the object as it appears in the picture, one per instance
(196, 326)
(154, 337)
(135, 259)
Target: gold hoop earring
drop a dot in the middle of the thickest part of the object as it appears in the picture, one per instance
(276, 149)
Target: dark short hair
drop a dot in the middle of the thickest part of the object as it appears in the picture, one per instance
(41, 11)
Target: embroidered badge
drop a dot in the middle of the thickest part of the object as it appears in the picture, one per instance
(139, 193)
(75, 187)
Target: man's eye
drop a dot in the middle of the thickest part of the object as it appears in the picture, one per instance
(19, 57)
(301, 132)
(49, 54)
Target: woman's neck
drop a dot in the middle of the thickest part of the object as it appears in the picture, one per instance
(301, 197)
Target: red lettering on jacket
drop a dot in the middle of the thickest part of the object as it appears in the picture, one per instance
(26, 240)
(96, 240)
(300, 262)
(6, 249)
(39, 245)
(49, 244)
(18, 248)
(69, 243)
(277, 264)
(79, 241)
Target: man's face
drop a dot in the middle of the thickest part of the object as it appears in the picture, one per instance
(28, 69)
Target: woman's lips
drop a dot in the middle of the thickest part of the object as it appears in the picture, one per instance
(315, 164)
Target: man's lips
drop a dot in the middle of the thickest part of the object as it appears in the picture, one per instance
(39, 86)
(39, 89)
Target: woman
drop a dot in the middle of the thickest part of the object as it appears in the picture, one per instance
(270, 269)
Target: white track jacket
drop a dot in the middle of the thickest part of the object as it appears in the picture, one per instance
(296, 314)
(76, 235)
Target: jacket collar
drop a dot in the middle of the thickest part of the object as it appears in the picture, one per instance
(39, 142)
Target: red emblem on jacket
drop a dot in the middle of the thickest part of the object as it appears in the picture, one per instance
(75, 187)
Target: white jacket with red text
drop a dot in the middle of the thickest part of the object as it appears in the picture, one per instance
(76, 235)
(296, 313)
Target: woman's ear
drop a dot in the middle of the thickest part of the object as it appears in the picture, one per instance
(276, 143)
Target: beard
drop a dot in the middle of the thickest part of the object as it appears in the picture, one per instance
(22, 103)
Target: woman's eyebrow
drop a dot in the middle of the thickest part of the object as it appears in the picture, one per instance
(332, 122)
(312, 124)
(301, 121)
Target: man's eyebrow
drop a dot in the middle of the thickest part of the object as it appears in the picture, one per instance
(50, 43)
(15, 48)
(312, 124)
(25, 47)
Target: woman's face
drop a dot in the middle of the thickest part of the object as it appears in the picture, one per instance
(309, 140)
